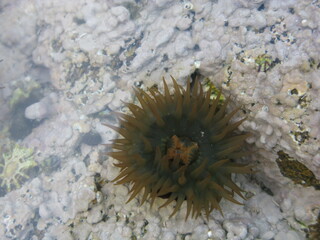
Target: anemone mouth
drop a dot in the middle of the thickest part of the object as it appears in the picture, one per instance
(180, 147)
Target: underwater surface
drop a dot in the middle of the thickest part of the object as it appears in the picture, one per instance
(232, 143)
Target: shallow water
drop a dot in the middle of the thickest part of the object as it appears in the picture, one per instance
(65, 67)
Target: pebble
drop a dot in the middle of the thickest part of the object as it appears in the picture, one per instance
(126, 232)
(316, 160)
(168, 236)
(184, 23)
(95, 215)
(268, 235)
(235, 228)
(163, 37)
(44, 212)
(41, 109)
(84, 195)
(91, 138)
(36, 111)
(161, 3)
(292, 235)
(286, 204)
(183, 44)
(269, 130)
(316, 79)
(119, 96)
(81, 126)
(121, 13)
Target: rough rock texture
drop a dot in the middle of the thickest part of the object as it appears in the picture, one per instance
(89, 54)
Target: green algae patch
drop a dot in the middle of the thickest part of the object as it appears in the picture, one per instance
(17, 165)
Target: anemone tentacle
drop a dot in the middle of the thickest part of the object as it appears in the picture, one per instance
(180, 146)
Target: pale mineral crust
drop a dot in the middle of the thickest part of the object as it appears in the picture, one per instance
(84, 57)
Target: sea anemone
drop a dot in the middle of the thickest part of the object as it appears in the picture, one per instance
(179, 147)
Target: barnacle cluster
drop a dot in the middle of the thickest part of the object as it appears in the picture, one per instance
(180, 146)
(16, 166)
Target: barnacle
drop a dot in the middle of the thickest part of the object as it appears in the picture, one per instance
(179, 146)
(15, 168)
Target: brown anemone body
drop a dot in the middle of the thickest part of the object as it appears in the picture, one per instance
(179, 146)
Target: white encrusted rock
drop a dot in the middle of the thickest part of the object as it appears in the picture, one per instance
(83, 195)
(95, 214)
